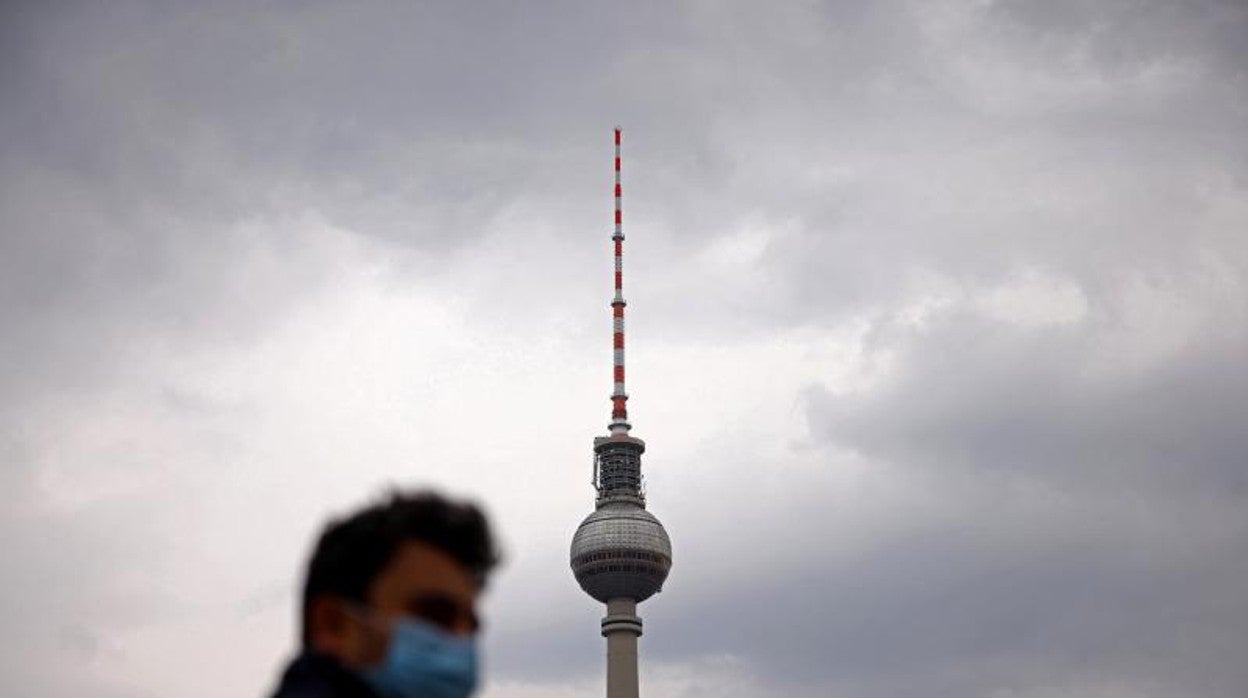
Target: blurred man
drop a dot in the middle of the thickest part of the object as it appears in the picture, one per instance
(389, 603)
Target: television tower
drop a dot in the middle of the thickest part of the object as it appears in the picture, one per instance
(620, 554)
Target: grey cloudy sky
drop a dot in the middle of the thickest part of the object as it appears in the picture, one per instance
(938, 326)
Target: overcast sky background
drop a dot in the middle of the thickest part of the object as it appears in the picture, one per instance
(937, 333)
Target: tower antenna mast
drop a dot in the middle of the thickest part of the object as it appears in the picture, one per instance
(619, 397)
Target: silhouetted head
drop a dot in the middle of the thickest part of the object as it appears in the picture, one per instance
(413, 555)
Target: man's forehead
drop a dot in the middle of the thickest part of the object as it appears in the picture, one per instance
(419, 568)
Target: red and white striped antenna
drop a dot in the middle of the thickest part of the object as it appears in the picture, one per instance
(619, 398)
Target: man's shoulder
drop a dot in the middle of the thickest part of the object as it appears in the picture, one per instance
(320, 676)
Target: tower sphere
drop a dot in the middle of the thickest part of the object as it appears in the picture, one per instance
(621, 551)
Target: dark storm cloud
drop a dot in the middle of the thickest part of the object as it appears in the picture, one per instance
(1134, 576)
(1078, 531)
(1050, 405)
(973, 142)
(138, 141)
(149, 156)
(1102, 495)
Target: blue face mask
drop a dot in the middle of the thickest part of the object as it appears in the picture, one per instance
(424, 661)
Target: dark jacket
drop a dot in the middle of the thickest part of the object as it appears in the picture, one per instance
(321, 676)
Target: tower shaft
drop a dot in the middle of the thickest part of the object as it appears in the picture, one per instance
(622, 627)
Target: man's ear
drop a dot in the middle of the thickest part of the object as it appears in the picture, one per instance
(329, 628)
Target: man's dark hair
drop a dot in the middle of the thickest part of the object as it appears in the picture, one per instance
(351, 552)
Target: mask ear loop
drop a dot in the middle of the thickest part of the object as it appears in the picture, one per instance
(379, 631)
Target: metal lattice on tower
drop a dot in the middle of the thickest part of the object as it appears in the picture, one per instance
(620, 553)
